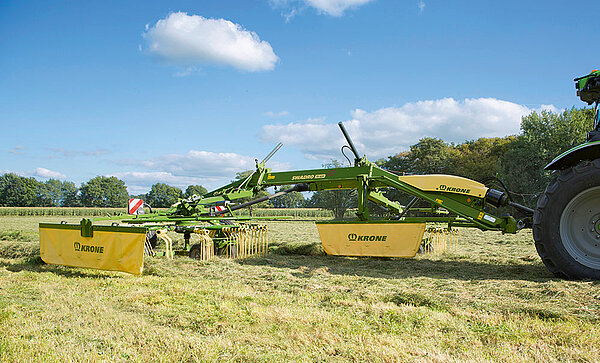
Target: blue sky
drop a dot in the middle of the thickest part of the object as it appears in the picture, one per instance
(189, 92)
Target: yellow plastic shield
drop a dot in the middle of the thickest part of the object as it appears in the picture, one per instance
(110, 248)
(371, 239)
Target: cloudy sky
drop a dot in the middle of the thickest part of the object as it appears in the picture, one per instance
(191, 92)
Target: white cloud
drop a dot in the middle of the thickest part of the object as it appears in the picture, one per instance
(388, 131)
(205, 168)
(335, 7)
(204, 163)
(193, 40)
(71, 153)
(140, 182)
(186, 72)
(329, 7)
(316, 139)
(137, 177)
(18, 150)
(49, 174)
(6, 171)
(277, 114)
(549, 108)
(421, 6)
(38, 172)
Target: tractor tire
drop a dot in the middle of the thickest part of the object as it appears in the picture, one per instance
(566, 223)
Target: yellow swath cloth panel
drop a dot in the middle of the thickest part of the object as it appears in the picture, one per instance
(106, 250)
(371, 239)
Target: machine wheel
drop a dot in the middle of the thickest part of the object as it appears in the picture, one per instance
(566, 223)
(196, 252)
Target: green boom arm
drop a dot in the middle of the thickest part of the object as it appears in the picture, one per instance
(367, 178)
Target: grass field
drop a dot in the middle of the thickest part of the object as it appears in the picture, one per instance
(488, 299)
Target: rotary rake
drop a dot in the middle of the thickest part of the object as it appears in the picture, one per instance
(210, 227)
(566, 222)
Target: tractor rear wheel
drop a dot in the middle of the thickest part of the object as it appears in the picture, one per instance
(566, 223)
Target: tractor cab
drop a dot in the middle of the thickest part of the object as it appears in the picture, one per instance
(588, 90)
(588, 87)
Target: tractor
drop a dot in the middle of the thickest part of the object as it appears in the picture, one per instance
(566, 222)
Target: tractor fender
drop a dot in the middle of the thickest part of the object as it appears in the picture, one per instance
(572, 157)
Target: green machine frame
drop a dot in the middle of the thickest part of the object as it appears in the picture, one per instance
(462, 202)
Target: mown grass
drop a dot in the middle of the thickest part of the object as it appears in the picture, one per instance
(488, 299)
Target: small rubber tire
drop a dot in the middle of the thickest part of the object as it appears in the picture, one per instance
(568, 246)
(196, 251)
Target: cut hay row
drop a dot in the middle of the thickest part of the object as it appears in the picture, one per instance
(82, 211)
(58, 211)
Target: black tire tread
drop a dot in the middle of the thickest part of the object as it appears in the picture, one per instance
(542, 244)
(193, 250)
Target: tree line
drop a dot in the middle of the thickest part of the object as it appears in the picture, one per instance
(101, 191)
(516, 160)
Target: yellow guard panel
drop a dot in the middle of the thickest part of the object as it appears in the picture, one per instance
(445, 183)
(371, 239)
(106, 250)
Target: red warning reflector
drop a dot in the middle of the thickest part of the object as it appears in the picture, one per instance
(220, 208)
(134, 205)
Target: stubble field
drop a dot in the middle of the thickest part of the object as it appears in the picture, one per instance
(488, 299)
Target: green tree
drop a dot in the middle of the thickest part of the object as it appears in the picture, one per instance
(70, 196)
(194, 189)
(45, 195)
(54, 192)
(399, 163)
(337, 201)
(18, 191)
(289, 200)
(57, 193)
(544, 136)
(103, 191)
(264, 204)
(428, 156)
(162, 195)
(553, 133)
(142, 196)
(479, 159)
